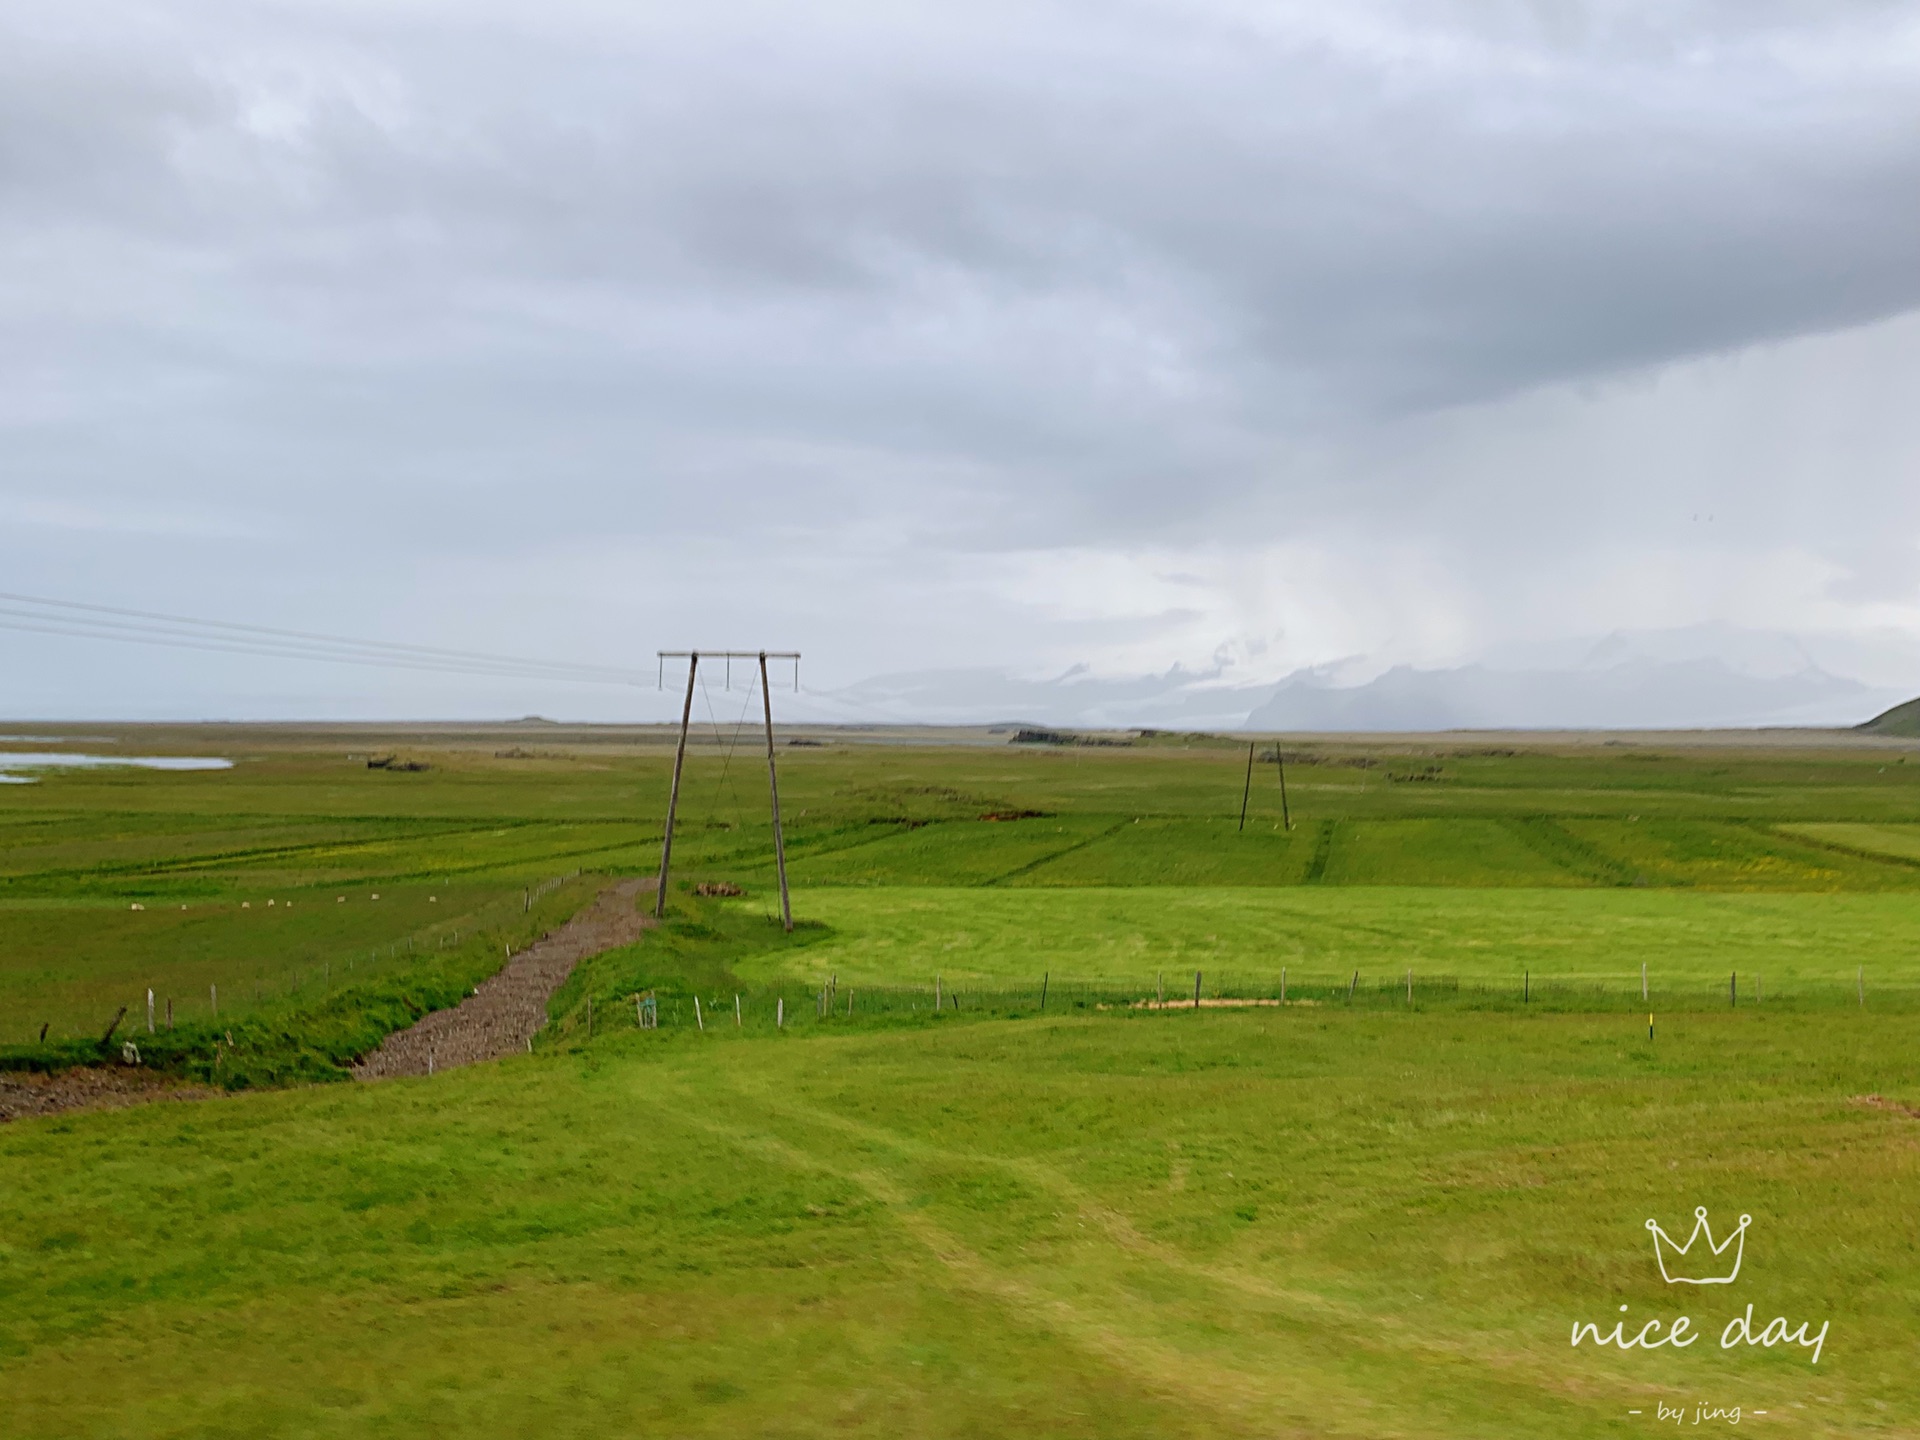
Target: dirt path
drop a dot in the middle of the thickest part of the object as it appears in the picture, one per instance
(91, 1088)
(509, 1008)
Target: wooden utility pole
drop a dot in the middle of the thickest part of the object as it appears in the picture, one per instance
(1246, 790)
(673, 795)
(1286, 816)
(773, 788)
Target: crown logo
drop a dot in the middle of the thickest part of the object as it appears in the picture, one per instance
(1670, 1254)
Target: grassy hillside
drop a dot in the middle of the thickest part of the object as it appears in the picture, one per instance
(1903, 720)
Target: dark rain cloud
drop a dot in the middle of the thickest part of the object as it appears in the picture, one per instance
(973, 278)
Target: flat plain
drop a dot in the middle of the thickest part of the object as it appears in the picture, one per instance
(1367, 1216)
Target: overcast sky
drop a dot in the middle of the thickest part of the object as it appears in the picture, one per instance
(1239, 337)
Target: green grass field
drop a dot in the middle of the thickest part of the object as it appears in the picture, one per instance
(1351, 1219)
(1223, 1224)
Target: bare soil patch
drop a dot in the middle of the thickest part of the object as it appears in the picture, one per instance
(1216, 1003)
(509, 1008)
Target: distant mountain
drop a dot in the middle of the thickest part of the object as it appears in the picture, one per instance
(1902, 719)
(1178, 699)
(1691, 677)
(1634, 694)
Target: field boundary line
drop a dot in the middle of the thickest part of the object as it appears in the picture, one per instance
(269, 852)
(1547, 837)
(1316, 871)
(857, 837)
(1883, 857)
(1048, 859)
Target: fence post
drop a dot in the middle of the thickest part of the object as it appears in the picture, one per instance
(1045, 976)
(1351, 984)
(1283, 984)
(1526, 988)
(1409, 985)
(213, 998)
(936, 992)
(1196, 989)
(780, 1013)
(1860, 984)
(1643, 979)
(149, 1010)
(1733, 988)
(736, 1009)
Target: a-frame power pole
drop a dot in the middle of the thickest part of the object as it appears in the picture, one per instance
(693, 658)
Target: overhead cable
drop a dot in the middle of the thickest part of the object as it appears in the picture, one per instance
(40, 615)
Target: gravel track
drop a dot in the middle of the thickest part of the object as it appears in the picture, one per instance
(510, 1008)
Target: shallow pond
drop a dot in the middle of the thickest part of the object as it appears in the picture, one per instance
(12, 762)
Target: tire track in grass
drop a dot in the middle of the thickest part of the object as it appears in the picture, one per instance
(1097, 1324)
(1335, 1325)
(1176, 1375)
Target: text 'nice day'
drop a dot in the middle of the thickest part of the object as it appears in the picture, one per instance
(1679, 1335)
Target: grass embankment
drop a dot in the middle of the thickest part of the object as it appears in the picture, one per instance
(1216, 1224)
(247, 955)
(314, 1029)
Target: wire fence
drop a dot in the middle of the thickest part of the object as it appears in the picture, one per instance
(830, 1003)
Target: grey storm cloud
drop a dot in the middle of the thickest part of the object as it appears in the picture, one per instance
(955, 279)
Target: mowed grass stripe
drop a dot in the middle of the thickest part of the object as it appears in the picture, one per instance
(904, 934)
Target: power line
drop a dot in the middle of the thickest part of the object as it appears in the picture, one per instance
(310, 637)
(213, 644)
(39, 615)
